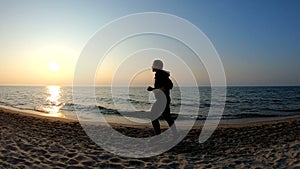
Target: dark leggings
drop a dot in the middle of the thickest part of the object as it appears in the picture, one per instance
(166, 116)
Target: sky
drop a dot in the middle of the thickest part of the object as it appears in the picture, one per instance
(258, 41)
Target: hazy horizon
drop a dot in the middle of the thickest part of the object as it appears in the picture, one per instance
(24, 85)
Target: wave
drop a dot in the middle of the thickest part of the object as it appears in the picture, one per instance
(138, 102)
(229, 117)
(74, 106)
(232, 102)
(283, 110)
(204, 105)
(108, 110)
(123, 100)
(238, 114)
(292, 110)
(256, 115)
(5, 104)
(249, 115)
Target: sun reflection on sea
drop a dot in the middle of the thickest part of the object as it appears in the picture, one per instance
(54, 104)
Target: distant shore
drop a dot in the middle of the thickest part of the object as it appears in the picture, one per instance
(47, 142)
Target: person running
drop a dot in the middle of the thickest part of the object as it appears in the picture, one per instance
(162, 84)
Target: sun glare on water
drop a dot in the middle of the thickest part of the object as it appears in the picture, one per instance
(53, 66)
(54, 104)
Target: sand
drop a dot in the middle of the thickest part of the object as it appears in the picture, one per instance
(39, 142)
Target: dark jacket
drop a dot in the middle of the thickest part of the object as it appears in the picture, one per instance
(162, 80)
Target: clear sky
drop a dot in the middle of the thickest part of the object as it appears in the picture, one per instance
(258, 41)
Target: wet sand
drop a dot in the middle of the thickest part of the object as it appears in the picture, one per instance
(45, 142)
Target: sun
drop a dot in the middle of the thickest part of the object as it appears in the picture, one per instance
(53, 66)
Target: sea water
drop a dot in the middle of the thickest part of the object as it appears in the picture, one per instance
(241, 102)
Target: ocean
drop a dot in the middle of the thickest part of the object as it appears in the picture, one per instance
(241, 102)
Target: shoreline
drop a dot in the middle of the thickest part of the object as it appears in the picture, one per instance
(47, 142)
(33, 114)
(122, 121)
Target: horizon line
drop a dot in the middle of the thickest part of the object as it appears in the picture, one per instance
(44, 85)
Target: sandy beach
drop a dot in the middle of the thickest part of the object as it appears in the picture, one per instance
(46, 142)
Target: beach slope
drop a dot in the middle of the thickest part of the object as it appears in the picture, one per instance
(35, 142)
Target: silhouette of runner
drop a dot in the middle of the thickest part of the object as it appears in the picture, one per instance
(162, 103)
